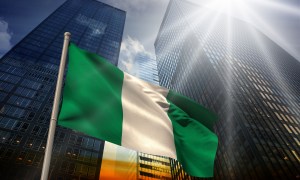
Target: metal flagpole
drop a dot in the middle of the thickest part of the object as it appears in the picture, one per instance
(55, 109)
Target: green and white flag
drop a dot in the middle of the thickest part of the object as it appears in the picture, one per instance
(102, 101)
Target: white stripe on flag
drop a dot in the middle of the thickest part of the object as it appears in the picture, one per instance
(146, 125)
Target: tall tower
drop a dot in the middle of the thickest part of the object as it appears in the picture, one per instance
(28, 75)
(147, 68)
(247, 79)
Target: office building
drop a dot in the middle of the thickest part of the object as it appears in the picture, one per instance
(239, 73)
(28, 74)
(153, 167)
(146, 66)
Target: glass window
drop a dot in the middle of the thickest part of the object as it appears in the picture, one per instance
(24, 127)
(35, 130)
(43, 132)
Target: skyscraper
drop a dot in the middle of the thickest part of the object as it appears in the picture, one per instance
(147, 68)
(248, 80)
(28, 75)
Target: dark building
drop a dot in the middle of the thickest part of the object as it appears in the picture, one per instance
(28, 75)
(243, 76)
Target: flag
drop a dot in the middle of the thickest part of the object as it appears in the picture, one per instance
(102, 101)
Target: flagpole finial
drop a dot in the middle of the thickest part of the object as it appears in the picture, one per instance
(67, 35)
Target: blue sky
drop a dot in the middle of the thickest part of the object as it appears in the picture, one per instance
(18, 18)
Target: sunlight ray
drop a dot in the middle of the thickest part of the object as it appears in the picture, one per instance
(269, 57)
(249, 13)
(278, 6)
(182, 82)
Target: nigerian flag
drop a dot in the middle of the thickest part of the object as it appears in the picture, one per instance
(102, 101)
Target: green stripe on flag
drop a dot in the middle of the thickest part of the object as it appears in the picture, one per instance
(195, 143)
(92, 96)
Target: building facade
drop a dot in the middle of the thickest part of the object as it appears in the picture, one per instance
(28, 74)
(249, 81)
(153, 167)
(146, 66)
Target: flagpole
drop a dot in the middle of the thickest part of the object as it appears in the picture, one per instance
(55, 109)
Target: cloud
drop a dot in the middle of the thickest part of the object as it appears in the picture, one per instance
(5, 37)
(131, 50)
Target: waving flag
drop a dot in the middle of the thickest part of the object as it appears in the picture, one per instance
(102, 101)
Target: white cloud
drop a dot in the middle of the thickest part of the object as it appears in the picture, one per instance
(5, 37)
(130, 50)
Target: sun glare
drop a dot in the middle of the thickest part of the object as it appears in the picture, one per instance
(224, 6)
(254, 12)
(266, 15)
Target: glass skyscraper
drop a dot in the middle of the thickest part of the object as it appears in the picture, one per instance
(28, 75)
(248, 80)
(147, 68)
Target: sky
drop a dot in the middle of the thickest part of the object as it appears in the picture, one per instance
(280, 20)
